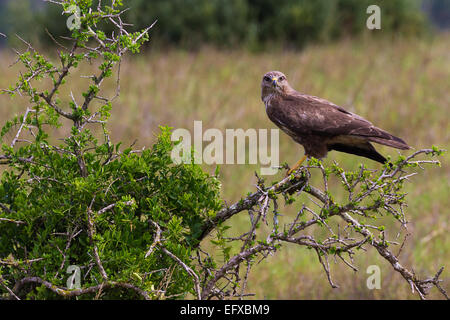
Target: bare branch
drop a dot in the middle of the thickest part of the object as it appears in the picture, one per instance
(64, 292)
(157, 239)
(91, 232)
(188, 270)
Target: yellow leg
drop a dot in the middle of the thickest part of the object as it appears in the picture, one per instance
(295, 167)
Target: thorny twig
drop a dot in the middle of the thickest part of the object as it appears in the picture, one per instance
(226, 278)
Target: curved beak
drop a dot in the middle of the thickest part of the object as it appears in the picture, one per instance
(274, 81)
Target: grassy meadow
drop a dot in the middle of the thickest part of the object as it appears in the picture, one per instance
(401, 85)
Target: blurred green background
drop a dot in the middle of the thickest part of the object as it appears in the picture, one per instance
(205, 62)
(254, 24)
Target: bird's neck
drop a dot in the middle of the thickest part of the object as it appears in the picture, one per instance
(267, 98)
(268, 93)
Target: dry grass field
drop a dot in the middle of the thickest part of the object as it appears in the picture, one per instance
(400, 85)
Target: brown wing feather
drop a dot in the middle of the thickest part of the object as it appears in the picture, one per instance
(308, 115)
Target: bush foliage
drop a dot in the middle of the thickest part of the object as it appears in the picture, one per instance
(86, 201)
(52, 200)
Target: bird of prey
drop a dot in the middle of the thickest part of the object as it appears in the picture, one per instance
(319, 125)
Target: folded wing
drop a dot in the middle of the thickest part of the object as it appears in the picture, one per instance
(312, 115)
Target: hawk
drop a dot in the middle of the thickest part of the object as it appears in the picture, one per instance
(319, 125)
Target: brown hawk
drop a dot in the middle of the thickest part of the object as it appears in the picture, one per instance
(319, 125)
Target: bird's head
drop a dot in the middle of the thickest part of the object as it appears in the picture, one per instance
(274, 82)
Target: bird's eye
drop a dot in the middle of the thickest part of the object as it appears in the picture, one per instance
(281, 78)
(266, 79)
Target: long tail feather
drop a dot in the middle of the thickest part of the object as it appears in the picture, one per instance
(392, 141)
(364, 150)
